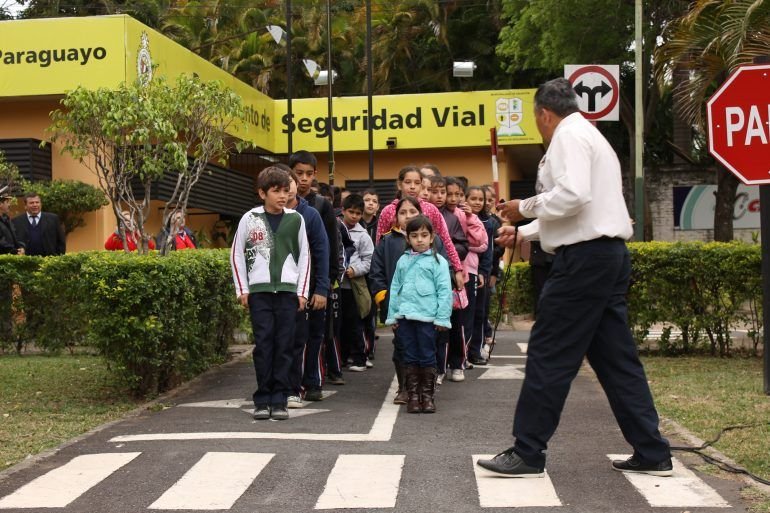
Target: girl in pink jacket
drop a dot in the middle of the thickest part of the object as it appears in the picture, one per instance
(409, 183)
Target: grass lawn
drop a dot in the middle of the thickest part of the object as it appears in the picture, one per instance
(706, 394)
(46, 400)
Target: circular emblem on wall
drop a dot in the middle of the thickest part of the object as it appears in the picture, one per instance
(144, 61)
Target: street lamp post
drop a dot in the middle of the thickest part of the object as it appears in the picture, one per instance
(369, 107)
(330, 118)
(289, 82)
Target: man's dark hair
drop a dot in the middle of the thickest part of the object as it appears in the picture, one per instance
(273, 176)
(325, 190)
(558, 96)
(30, 195)
(353, 201)
(302, 157)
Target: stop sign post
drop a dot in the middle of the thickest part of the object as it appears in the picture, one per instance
(739, 138)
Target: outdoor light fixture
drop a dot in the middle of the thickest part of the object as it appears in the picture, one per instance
(463, 68)
(320, 76)
(277, 33)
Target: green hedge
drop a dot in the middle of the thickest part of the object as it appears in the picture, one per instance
(701, 289)
(158, 319)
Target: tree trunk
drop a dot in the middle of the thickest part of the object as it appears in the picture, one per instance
(727, 187)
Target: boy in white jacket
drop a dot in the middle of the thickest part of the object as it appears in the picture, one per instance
(271, 272)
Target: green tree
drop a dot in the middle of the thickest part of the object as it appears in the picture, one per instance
(710, 41)
(122, 135)
(540, 36)
(70, 200)
(131, 136)
(10, 176)
(204, 114)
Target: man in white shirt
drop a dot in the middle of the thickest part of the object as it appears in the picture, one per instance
(582, 218)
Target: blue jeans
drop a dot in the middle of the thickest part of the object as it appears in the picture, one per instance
(418, 340)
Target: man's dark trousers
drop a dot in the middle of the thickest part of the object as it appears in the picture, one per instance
(273, 345)
(583, 312)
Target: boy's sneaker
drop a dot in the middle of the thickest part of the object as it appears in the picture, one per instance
(468, 364)
(294, 401)
(262, 412)
(369, 364)
(357, 368)
(633, 465)
(485, 351)
(456, 375)
(335, 379)
(440, 379)
(314, 394)
(477, 360)
(279, 413)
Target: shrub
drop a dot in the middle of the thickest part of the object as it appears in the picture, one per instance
(157, 319)
(702, 289)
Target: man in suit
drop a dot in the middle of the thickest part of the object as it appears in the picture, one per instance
(40, 232)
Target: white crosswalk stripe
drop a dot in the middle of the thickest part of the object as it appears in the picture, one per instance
(500, 492)
(362, 481)
(216, 481)
(219, 479)
(682, 490)
(60, 486)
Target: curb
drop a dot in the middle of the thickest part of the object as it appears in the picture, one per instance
(36, 458)
(682, 432)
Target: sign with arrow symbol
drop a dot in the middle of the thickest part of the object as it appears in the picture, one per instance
(597, 90)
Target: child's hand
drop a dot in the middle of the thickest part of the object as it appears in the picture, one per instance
(440, 328)
(349, 272)
(465, 208)
(302, 302)
(459, 280)
(394, 326)
(243, 299)
(480, 284)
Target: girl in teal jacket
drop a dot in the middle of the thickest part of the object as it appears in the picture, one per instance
(420, 303)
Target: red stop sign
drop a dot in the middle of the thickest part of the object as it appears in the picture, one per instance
(739, 124)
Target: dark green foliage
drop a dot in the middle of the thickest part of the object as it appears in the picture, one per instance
(69, 199)
(703, 290)
(158, 320)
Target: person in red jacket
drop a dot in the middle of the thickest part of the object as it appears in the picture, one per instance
(115, 243)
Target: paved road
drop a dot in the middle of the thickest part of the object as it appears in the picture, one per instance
(354, 450)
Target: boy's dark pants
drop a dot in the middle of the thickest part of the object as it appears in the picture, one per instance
(352, 330)
(307, 368)
(332, 335)
(273, 344)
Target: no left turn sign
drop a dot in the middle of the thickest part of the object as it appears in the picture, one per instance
(597, 88)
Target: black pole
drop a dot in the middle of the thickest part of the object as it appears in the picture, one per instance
(764, 231)
(764, 223)
(330, 79)
(369, 107)
(289, 82)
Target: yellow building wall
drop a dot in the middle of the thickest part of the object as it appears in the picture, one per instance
(29, 120)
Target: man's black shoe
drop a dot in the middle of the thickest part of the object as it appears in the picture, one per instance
(509, 464)
(633, 465)
(477, 360)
